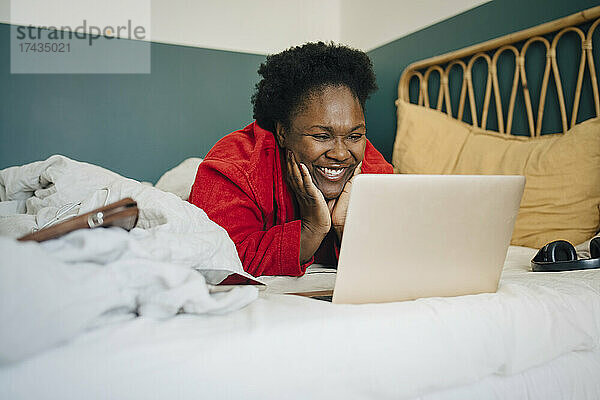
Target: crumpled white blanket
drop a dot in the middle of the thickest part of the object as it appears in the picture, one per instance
(52, 291)
(41, 188)
(33, 194)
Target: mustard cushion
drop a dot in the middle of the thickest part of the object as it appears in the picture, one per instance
(562, 171)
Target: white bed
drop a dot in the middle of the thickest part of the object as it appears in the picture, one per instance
(537, 338)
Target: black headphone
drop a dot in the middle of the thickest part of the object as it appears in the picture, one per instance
(560, 255)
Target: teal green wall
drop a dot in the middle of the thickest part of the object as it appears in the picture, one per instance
(137, 125)
(491, 20)
(142, 125)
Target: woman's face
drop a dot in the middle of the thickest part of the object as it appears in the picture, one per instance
(327, 135)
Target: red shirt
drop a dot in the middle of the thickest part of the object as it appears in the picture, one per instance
(241, 186)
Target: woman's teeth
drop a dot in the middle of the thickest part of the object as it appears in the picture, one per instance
(332, 173)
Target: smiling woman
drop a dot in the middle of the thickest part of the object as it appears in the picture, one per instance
(280, 186)
(328, 136)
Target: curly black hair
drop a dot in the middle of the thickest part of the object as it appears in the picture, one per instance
(289, 78)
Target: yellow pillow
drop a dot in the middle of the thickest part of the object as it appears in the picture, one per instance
(562, 190)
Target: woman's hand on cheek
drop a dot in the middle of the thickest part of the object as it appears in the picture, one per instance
(339, 206)
(314, 213)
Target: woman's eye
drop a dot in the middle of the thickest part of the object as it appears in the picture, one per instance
(356, 136)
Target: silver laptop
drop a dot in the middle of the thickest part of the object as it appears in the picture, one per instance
(413, 236)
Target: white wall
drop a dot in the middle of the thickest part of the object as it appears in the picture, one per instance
(5, 11)
(254, 26)
(269, 26)
(370, 24)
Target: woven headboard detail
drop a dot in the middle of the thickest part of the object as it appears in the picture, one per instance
(516, 45)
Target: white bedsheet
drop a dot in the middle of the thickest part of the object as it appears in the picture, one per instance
(51, 292)
(293, 347)
(575, 376)
(54, 291)
(36, 191)
(32, 194)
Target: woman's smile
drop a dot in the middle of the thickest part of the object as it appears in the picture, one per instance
(333, 174)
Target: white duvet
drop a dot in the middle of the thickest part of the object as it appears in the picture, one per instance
(512, 344)
(53, 291)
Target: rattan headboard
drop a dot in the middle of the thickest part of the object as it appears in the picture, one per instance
(517, 44)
